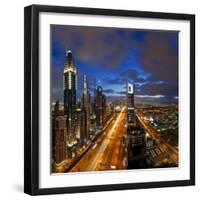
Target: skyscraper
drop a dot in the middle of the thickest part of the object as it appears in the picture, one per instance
(98, 106)
(80, 125)
(104, 108)
(130, 106)
(58, 133)
(86, 108)
(70, 87)
(136, 133)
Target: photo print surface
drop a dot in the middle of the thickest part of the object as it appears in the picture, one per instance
(114, 99)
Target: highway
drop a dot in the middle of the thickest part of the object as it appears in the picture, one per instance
(107, 153)
(170, 150)
(108, 150)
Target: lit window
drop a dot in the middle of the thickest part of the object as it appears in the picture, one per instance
(70, 80)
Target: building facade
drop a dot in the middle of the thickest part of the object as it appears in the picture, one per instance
(80, 122)
(86, 109)
(104, 110)
(100, 107)
(135, 132)
(59, 152)
(70, 88)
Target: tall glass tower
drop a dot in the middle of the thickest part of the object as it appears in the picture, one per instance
(70, 87)
(86, 107)
(98, 106)
(130, 106)
(136, 133)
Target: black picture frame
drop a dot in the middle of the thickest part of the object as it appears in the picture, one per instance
(31, 98)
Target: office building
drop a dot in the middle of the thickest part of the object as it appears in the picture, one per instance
(86, 109)
(70, 88)
(100, 107)
(58, 136)
(135, 132)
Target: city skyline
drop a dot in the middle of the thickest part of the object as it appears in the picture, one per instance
(149, 58)
(100, 126)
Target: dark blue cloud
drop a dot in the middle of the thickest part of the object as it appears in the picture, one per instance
(109, 91)
(139, 36)
(112, 56)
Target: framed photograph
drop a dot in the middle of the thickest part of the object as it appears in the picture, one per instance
(109, 100)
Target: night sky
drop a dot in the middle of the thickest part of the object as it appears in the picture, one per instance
(111, 56)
